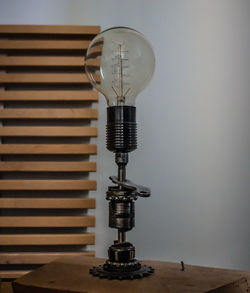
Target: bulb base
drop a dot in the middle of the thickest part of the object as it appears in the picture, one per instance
(121, 129)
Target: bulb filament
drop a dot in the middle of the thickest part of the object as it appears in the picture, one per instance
(118, 82)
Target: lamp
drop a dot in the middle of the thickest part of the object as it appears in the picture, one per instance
(120, 63)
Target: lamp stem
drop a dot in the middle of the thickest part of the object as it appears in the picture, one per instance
(121, 172)
(121, 236)
(121, 161)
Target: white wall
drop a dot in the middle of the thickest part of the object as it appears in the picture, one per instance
(193, 124)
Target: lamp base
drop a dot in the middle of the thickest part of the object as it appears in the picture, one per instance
(121, 264)
(123, 271)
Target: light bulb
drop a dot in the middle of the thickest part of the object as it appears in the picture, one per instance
(120, 63)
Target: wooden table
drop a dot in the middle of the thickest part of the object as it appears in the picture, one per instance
(71, 275)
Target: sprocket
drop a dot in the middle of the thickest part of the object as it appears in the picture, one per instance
(100, 272)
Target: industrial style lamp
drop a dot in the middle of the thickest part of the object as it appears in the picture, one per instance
(120, 63)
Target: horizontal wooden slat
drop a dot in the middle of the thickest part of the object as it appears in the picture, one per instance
(38, 257)
(48, 113)
(47, 185)
(42, 149)
(43, 78)
(47, 239)
(94, 62)
(37, 131)
(43, 45)
(50, 29)
(88, 96)
(9, 274)
(47, 166)
(44, 221)
(41, 61)
(47, 203)
(93, 50)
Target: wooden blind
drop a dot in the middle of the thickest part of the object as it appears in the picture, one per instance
(47, 114)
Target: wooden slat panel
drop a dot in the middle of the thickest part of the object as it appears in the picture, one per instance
(38, 257)
(47, 185)
(48, 114)
(43, 40)
(42, 149)
(47, 203)
(12, 274)
(38, 131)
(88, 96)
(50, 29)
(43, 45)
(43, 78)
(47, 166)
(47, 239)
(44, 221)
(41, 61)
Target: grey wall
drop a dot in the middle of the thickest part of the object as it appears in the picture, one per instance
(193, 124)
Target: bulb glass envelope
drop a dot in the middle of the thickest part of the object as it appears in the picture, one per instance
(120, 63)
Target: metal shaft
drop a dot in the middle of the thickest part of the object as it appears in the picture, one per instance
(121, 173)
(121, 236)
(121, 177)
(121, 160)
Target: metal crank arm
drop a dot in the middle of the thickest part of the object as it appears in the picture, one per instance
(140, 190)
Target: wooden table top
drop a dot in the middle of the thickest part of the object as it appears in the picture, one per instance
(71, 274)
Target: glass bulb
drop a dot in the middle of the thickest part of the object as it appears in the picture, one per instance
(120, 63)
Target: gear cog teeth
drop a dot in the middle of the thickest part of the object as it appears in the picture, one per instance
(127, 271)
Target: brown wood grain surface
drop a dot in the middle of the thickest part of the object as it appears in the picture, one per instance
(46, 221)
(45, 95)
(47, 203)
(41, 61)
(43, 45)
(47, 239)
(47, 131)
(49, 184)
(47, 166)
(37, 257)
(13, 274)
(71, 274)
(50, 29)
(41, 149)
(48, 114)
(43, 78)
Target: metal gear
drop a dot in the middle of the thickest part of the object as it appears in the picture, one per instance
(100, 272)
